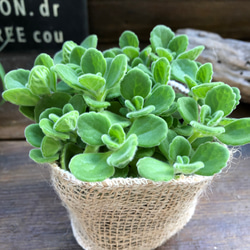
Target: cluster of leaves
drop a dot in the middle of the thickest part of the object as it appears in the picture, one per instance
(113, 113)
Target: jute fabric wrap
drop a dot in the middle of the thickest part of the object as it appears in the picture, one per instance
(127, 213)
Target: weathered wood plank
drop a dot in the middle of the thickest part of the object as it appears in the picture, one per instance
(32, 217)
(108, 19)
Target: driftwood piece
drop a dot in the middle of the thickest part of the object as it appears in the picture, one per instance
(230, 58)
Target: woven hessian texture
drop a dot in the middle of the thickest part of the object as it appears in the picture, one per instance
(129, 213)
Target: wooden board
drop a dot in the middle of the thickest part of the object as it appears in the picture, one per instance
(108, 19)
(32, 217)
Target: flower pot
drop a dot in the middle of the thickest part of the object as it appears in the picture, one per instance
(129, 213)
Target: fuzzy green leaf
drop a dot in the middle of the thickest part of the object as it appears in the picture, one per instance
(160, 36)
(121, 157)
(135, 83)
(205, 73)
(150, 130)
(67, 122)
(201, 90)
(188, 109)
(40, 80)
(50, 146)
(221, 98)
(76, 55)
(91, 127)
(36, 156)
(16, 79)
(178, 44)
(116, 71)
(179, 146)
(48, 111)
(164, 53)
(131, 52)
(95, 104)
(191, 54)
(213, 155)
(94, 84)
(182, 67)
(93, 62)
(161, 71)
(115, 118)
(128, 38)
(207, 130)
(44, 59)
(155, 170)
(20, 96)
(67, 48)
(34, 135)
(236, 133)
(91, 167)
(161, 98)
(90, 42)
(188, 168)
(117, 133)
(47, 127)
(141, 112)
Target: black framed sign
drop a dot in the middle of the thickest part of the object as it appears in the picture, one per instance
(42, 24)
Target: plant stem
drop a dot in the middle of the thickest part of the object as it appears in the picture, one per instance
(194, 136)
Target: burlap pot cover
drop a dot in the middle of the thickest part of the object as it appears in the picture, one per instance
(127, 213)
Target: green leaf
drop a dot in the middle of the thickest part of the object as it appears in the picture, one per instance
(191, 54)
(90, 42)
(190, 82)
(215, 118)
(47, 127)
(28, 111)
(67, 122)
(48, 111)
(69, 150)
(117, 133)
(93, 62)
(56, 100)
(236, 133)
(91, 127)
(95, 105)
(67, 48)
(50, 146)
(155, 170)
(121, 157)
(20, 96)
(78, 103)
(121, 172)
(40, 80)
(165, 53)
(182, 67)
(76, 55)
(114, 118)
(205, 73)
(34, 135)
(128, 38)
(58, 57)
(213, 155)
(94, 84)
(188, 109)
(188, 168)
(142, 112)
(67, 74)
(221, 98)
(207, 130)
(161, 98)
(135, 83)
(36, 156)
(179, 146)
(160, 36)
(205, 113)
(178, 44)
(110, 143)
(201, 90)
(16, 79)
(131, 52)
(44, 59)
(161, 71)
(150, 130)
(116, 71)
(91, 167)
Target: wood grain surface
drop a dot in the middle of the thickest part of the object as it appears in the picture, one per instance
(32, 217)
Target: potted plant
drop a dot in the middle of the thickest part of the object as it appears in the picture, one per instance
(133, 137)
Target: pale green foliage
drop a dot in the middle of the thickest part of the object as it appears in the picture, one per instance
(113, 113)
